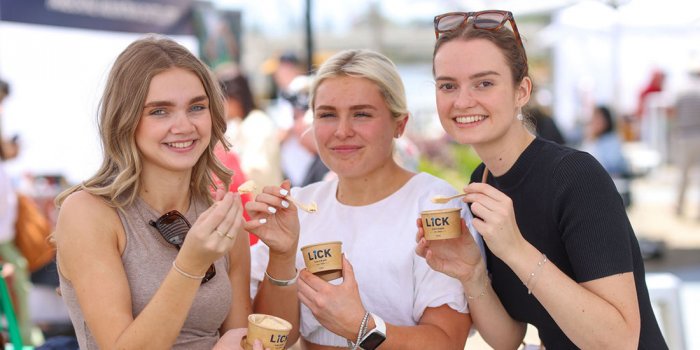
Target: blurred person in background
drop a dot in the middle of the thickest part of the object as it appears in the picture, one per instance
(300, 159)
(254, 136)
(9, 148)
(686, 133)
(641, 125)
(359, 110)
(296, 157)
(603, 142)
(9, 253)
(560, 251)
(133, 271)
(281, 71)
(545, 126)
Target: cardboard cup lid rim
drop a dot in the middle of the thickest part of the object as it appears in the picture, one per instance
(318, 244)
(437, 211)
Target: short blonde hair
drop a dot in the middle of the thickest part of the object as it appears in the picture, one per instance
(366, 64)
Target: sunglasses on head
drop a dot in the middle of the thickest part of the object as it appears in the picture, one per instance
(487, 20)
(173, 227)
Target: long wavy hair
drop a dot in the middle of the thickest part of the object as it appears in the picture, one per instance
(121, 106)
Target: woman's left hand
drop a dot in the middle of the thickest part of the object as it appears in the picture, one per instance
(494, 219)
(337, 307)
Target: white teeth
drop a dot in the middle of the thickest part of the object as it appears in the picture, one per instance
(470, 119)
(180, 144)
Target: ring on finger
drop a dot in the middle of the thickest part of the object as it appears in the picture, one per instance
(220, 233)
(229, 236)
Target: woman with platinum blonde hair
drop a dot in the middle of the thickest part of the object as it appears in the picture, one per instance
(388, 296)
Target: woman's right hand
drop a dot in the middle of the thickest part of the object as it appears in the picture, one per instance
(212, 235)
(459, 257)
(274, 220)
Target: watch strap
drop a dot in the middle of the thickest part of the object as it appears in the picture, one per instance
(379, 323)
(379, 330)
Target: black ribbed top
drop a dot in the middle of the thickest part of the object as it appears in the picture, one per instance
(567, 206)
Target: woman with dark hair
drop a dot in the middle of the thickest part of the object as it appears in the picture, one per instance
(603, 143)
(560, 251)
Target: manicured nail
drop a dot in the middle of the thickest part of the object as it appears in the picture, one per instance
(262, 221)
(271, 210)
(284, 192)
(285, 204)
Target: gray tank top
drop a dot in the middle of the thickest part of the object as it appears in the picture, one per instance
(147, 260)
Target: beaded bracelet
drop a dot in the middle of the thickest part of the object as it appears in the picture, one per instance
(532, 276)
(361, 332)
(188, 275)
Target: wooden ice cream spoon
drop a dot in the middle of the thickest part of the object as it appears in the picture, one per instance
(250, 186)
(445, 199)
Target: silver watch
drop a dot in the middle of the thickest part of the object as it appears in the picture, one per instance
(375, 337)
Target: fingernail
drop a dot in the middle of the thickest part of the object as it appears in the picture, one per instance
(271, 210)
(262, 221)
(285, 204)
(284, 192)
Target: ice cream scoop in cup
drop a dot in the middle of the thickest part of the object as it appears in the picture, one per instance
(272, 332)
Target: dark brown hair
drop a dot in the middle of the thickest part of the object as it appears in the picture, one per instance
(503, 38)
(238, 88)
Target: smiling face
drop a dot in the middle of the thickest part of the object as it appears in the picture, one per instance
(353, 127)
(477, 100)
(175, 125)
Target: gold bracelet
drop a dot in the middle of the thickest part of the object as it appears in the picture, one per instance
(483, 291)
(533, 274)
(182, 272)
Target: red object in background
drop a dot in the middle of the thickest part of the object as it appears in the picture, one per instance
(655, 84)
(230, 160)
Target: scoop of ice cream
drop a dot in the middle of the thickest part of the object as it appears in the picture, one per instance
(247, 187)
(271, 323)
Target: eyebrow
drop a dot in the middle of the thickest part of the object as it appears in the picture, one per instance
(473, 76)
(170, 103)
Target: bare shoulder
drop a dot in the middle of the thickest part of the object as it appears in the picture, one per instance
(86, 225)
(82, 211)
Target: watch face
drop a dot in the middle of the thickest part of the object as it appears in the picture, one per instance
(372, 341)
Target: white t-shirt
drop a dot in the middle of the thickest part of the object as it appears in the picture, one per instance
(379, 241)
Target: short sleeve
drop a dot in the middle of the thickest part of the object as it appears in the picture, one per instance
(434, 289)
(591, 217)
(259, 256)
